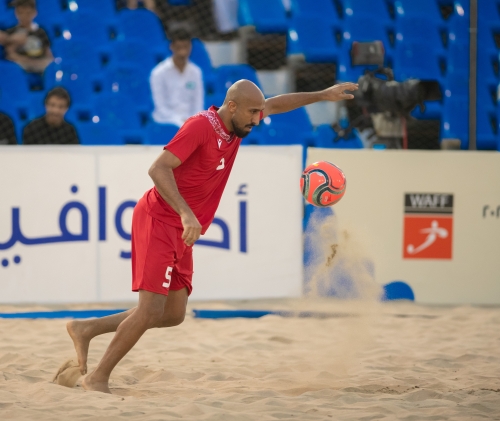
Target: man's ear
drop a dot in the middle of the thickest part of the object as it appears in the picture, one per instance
(232, 107)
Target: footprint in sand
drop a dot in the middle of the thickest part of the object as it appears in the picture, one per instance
(68, 374)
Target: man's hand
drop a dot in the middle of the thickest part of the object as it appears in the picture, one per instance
(19, 38)
(192, 228)
(336, 92)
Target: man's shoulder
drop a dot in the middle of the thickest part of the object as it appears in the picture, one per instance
(194, 68)
(5, 119)
(67, 125)
(39, 32)
(36, 122)
(162, 66)
(198, 121)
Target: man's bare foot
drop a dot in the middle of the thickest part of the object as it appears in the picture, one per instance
(89, 384)
(81, 342)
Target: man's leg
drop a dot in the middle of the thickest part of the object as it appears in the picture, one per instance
(83, 331)
(175, 308)
(146, 315)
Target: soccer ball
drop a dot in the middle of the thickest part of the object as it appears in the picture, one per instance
(322, 184)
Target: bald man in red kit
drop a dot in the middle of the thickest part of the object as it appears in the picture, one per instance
(189, 177)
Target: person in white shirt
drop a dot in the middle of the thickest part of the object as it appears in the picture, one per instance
(177, 84)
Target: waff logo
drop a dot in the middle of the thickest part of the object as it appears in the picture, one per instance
(428, 226)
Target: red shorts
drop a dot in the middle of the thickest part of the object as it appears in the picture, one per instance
(160, 259)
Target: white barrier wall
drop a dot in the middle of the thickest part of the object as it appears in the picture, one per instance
(65, 218)
(431, 219)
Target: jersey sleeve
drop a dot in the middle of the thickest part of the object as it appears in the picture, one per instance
(190, 136)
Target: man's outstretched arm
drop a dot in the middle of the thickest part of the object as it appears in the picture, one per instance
(288, 102)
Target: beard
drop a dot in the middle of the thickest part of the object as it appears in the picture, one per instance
(240, 131)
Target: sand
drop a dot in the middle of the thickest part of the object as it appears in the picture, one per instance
(396, 361)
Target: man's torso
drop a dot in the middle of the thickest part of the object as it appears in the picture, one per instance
(202, 176)
(36, 44)
(182, 90)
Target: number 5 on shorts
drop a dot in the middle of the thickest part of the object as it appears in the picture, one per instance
(168, 277)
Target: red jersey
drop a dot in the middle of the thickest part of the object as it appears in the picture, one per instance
(207, 151)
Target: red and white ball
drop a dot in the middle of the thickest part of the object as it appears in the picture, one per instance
(322, 184)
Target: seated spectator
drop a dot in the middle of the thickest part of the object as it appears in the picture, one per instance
(177, 84)
(27, 44)
(52, 129)
(148, 4)
(7, 131)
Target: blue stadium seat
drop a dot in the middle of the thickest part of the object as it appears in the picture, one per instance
(326, 139)
(37, 104)
(268, 16)
(118, 111)
(281, 135)
(136, 54)
(226, 75)
(105, 8)
(200, 57)
(486, 37)
(141, 25)
(81, 82)
(97, 134)
(293, 127)
(50, 16)
(322, 9)
(216, 99)
(488, 23)
(459, 21)
(416, 61)
(7, 18)
(487, 64)
(375, 9)
(89, 27)
(297, 118)
(179, 2)
(428, 9)
(129, 81)
(488, 11)
(455, 121)
(314, 38)
(14, 87)
(412, 29)
(456, 85)
(159, 134)
(458, 57)
(77, 52)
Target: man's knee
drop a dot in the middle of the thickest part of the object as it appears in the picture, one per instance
(170, 320)
(151, 315)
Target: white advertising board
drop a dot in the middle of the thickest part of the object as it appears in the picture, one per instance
(66, 212)
(430, 219)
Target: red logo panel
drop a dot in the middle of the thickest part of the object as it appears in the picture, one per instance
(428, 237)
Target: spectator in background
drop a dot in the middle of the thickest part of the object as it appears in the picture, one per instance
(7, 131)
(226, 15)
(177, 84)
(52, 129)
(148, 4)
(27, 44)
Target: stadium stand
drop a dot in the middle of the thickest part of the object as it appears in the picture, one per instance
(103, 56)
